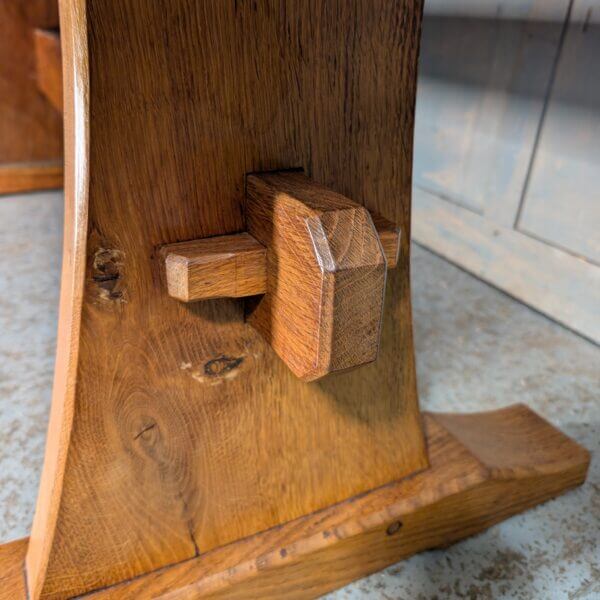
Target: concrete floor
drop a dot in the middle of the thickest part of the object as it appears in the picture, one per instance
(476, 349)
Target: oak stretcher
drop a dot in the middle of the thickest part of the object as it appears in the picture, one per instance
(235, 410)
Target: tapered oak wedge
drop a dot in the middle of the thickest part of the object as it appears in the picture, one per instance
(326, 274)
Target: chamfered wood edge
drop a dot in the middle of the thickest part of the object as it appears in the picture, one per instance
(31, 176)
(485, 467)
(76, 130)
(235, 265)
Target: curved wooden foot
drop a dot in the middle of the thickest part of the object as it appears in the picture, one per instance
(484, 468)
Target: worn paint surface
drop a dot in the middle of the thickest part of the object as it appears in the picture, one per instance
(563, 200)
(482, 84)
(476, 349)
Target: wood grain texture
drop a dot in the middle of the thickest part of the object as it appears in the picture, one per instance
(49, 66)
(175, 425)
(225, 266)
(12, 574)
(30, 128)
(60, 426)
(235, 266)
(326, 275)
(24, 177)
(484, 468)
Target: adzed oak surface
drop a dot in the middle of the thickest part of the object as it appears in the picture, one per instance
(176, 426)
(484, 468)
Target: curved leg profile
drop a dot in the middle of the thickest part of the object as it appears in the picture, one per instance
(186, 455)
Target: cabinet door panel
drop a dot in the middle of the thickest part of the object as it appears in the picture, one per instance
(562, 205)
(483, 79)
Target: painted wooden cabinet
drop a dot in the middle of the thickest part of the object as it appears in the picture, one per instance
(507, 149)
(563, 199)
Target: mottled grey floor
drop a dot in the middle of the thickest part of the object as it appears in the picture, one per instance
(476, 349)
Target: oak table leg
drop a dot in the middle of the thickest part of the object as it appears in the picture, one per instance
(484, 468)
(186, 455)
